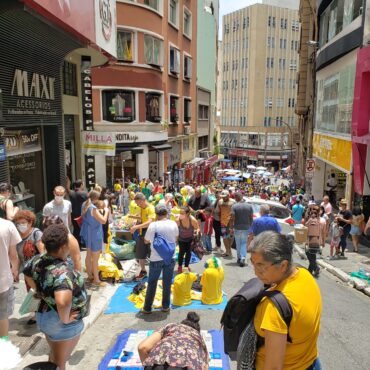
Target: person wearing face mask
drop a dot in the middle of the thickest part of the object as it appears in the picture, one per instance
(7, 209)
(59, 207)
(31, 243)
(63, 295)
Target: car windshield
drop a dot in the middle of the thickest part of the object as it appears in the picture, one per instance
(275, 211)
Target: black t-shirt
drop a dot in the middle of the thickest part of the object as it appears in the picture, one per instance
(199, 203)
(77, 198)
(347, 215)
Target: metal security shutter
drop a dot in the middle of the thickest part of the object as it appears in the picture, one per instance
(30, 44)
(4, 173)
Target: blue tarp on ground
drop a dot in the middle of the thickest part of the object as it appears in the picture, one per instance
(116, 350)
(120, 303)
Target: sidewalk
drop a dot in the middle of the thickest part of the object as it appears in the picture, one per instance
(29, 340)
(342, 267)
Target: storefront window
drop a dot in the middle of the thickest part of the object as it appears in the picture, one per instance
(153, 107)
(153, 51)
(119, 106)
(338, 15)
(125, 46)
(174, 117)
(334, 101)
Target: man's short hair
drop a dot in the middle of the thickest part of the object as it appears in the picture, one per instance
(55, 237)
(265, 208)
(238, 195)
(139, 196)
(77, 184)
(60, 188)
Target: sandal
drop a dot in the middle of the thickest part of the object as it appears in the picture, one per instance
(101, 284)
(225, 255)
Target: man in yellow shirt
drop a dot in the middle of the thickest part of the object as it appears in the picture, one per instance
(271, 257)
(147, 215)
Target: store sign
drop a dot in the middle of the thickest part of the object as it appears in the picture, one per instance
(34, 92)
(310, 168)
(98, 143)
(243, 153)
(141, 137)
(334, 150)
(87, 116)
(22, 141)
(105, 25)
(72, 14)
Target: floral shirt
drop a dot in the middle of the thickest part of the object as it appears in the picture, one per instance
(180, 346)
(51, 275)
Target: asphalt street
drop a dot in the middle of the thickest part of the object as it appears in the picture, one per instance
(344, 339)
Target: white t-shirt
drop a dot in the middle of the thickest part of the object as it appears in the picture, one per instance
(9, 236)
(167, 228)
(63, 210)
(332, 184)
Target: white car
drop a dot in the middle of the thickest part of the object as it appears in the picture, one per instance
(277, 210)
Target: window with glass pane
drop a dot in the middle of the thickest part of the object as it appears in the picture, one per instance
(69, 79)
(174, 102)
(187, 23)
(153, 51)
(119, 105)
(174, 60)
(187, 110)
(152, 3)
(173, 12)
(125, 46)
(153, 107)
(187, 67)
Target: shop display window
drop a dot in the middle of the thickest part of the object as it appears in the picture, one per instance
(119, 106)
(153, 107)
(153, 51)
(125, 46)
(334, 101)
(174, 103)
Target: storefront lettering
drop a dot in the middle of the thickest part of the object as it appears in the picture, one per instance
(30, 88)
(126, 137)
(326, 144)
(87, 121)
(99, 139)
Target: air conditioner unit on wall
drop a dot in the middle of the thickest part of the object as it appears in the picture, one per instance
(187, 130)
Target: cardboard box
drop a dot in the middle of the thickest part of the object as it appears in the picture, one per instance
(300, 234)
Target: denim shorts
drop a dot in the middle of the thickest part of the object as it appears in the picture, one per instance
(50, 324)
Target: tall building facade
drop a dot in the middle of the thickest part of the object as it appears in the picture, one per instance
(207, 50)
(259, 73)
(305, 106)
(341, 28)
(148, 98)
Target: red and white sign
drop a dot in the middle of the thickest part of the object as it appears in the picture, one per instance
(243, 153)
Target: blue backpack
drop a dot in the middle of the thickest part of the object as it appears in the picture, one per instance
(163, 247)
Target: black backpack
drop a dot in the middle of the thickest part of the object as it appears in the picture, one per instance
(241, 308)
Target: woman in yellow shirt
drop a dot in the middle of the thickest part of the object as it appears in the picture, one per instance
(271, 256)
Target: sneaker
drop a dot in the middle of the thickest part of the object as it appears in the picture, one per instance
(166, 309)
(242, 262)
(238, 261)
(179, 270)
(316, 273)
(141, 276)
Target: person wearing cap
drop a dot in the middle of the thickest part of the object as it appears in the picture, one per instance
(344, 218)
(160, 261)
(224, 206)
